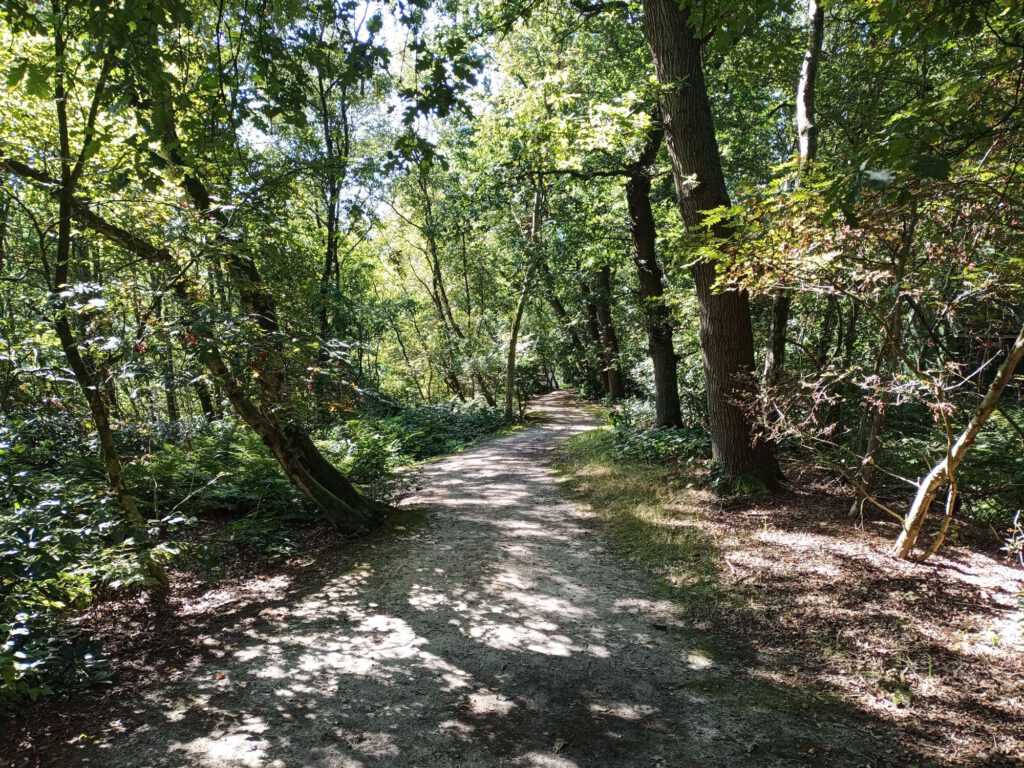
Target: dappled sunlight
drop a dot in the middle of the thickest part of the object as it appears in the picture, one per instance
(502, 633)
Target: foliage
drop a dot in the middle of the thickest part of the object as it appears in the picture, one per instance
(335, 237)
(634, 439)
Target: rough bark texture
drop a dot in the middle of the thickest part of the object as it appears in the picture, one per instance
(727, 340)
(944, 472)
(656, 317)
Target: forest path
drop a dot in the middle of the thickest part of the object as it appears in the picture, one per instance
(498, 633)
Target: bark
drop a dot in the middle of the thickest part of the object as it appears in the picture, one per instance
(806, 122)
(5, 212)
(300, 459)
(727, 340)
(210, 412)
(609, 338)
(945, 471)
(533, 242)
(807, 143)
(336, 166)
(652, 290)
(485, 389)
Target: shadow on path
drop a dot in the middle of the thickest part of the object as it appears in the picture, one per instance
(499, 633)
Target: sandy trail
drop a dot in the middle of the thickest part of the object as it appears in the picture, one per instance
(500, 633)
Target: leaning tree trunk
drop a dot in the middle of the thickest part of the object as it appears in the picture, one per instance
(727, 339)
(807, 143)
(667, 412)
(328, 489)
(945, 471)
(303, 464)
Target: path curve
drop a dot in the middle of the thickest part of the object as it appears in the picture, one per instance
(500, 633)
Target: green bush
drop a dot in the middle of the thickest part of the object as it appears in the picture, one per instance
(368, 448)
(662, 445)
(633, 437)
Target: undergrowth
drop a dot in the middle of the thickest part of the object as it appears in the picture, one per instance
(215, 499)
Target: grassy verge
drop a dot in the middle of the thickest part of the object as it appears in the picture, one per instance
(650, 516)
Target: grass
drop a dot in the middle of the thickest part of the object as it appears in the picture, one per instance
(651, 518)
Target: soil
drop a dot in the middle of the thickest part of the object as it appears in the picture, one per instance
(501, 631)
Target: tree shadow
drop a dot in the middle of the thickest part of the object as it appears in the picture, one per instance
(501, 633)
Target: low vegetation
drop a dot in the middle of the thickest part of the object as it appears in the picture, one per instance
(787, 586)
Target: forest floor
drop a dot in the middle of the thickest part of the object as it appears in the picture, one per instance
(503, 628)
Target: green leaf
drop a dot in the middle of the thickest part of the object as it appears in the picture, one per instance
(38, 82)
(16, 74)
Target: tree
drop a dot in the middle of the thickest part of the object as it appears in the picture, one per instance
(652, 290)
(727, 340)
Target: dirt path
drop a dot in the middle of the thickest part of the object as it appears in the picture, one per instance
(500, 633)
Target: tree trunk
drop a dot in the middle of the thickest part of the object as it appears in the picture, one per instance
(806, 122)
(594, 329)
(727, 340)
(652, 290)
(807, 143)
(210, 412)
(945, 471)
(84, 372)
(513, 340)
(609, 339)
(302, 463)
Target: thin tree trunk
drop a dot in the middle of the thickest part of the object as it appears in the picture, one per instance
(84, 372)
(210, 412)
(727, 339)
(592, 377)
(513, 340)
(667, 412)
(945, 471)
(807, 143)
(594, 329)
(609, 339)
(533, 241)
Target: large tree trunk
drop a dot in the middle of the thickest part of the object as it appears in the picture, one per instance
(807, 146)
(609, 338)
(652, 290)
(945, 471)
(727, 340)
